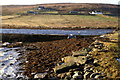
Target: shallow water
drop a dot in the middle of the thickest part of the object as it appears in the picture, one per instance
(9, 63)
(57, 32)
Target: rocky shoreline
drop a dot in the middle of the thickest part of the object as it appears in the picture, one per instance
(93, 59)
(58, 28)
(83, 64)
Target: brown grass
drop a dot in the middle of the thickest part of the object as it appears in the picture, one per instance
(58, 21)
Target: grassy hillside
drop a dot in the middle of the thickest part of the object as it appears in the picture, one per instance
(58, 21)
(13, 16)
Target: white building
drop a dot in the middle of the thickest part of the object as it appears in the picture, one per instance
(96, 12)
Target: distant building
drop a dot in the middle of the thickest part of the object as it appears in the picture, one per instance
(33, 12)
(96, 12)
(73, 12)
(40, 7)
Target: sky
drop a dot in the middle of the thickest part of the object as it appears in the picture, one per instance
(30, 2)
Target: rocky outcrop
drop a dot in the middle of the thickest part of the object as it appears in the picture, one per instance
(80, 64)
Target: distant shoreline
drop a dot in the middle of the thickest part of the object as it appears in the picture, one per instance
(58, 28)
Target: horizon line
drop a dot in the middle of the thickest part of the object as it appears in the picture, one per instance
(63, 3)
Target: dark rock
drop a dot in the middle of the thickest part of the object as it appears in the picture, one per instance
(87, 75)
(64, 67)
(30, 48)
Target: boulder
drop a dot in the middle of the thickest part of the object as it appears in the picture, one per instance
(40, 75)
(79, 59)
(64, 67)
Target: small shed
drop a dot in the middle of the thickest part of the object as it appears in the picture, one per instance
(40, 7)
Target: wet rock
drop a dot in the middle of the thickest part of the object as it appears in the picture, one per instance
(13, 45)
(79, 59)
(62, 75)
(96, 61)
(94, 74)
(69, 74)
(5, 44)
(40, 75)
(64, 67)
(87, 67)
(77, 75)
(1, 53)
(92, 69)
(96, 42)
(7, 50)
(2, 64)
(97, 50)
(98, 76)
(67, 78)
(87, 75)
(19, 76)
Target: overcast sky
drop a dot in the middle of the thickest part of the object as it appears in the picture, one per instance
(29, 2)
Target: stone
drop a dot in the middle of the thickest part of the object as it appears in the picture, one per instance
(98, 76)
(5, 44)
(94, 74)
(64, 67)
(96, 61)
(80, 53)
(62, 75)
(87, 71)
(77, 75)
(99, 46)
(87, 67)
(87, 75)
(79, 59)
(92, 69)
(72, 79)
(96, 42)
(40, 75)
